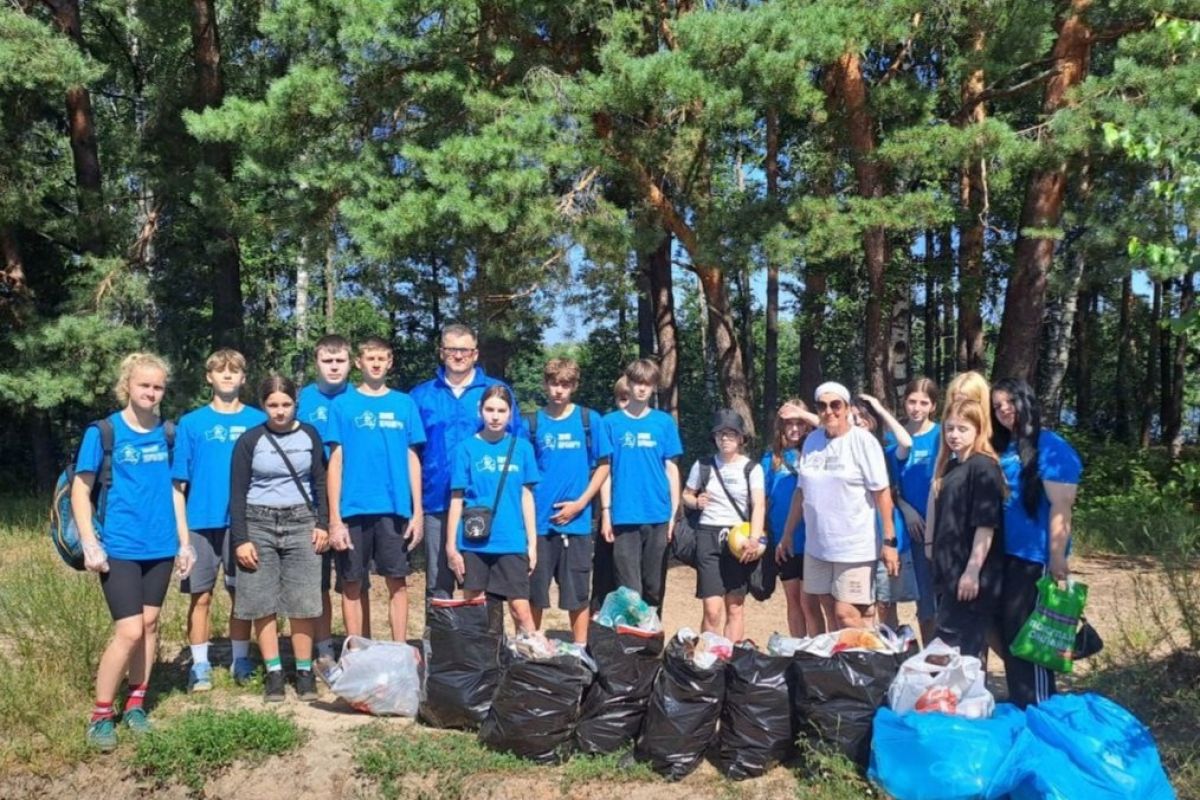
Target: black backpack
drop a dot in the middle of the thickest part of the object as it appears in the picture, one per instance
(531, 425)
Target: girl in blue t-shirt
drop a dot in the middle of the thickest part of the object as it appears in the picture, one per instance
(793, 422)
(1042, 471)
(141, 539)
(915, 462)
(496, 471)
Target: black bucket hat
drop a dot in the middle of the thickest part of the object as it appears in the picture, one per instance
(729, 419)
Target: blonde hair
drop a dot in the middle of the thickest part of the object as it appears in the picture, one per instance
(778, 444)
(136, 361)
(972, 412)
(561, 370)
(225, 358)
(975, 387)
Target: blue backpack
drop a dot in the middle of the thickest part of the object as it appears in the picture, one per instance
(63, 531)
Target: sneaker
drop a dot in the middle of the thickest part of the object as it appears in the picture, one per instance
(200, 677)
(242, 670)
(327, 669)
(273, 686)
(306, 685)
(102, 735)
(136, 720)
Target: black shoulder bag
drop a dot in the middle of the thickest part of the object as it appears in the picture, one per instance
(287, 462)
(477, 520)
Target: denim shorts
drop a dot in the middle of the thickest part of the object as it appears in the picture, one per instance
(288, 578)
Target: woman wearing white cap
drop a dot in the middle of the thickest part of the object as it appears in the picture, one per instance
(843, 481)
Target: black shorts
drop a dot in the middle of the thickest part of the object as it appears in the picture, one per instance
(377, 538)
(792, 569)
(500, 574)
(130, 585)
(718, 573)
(567, 560)
(604, 578)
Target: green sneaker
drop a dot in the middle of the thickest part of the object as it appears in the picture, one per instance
(102, 735)
(136, 720)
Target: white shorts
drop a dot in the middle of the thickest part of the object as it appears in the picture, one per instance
(848, 582)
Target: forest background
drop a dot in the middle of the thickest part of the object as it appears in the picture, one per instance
(759, 195)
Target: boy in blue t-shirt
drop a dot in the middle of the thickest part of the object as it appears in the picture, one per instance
(645, 486)
(332, 356)
(200, 471)
(374, 482)
(572, 456)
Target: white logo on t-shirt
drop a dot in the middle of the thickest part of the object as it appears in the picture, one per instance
(629, 440)
(365, 420)
(548, 441)
(128, 454)
(217, 433)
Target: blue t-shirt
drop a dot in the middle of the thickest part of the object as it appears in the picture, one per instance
(893, 465)
(477, 467)
(916, 472)
(1025, 537)
(566, 466)
(375, 433)
(313, 406)
(204, 443)
(449, 420)
(780, 485)
(139, 519)
(641, 447)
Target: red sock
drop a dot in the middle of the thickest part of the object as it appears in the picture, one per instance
(137, 696)
(101, 711)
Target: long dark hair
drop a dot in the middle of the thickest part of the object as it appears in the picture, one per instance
(276, 383)
(1027, 428)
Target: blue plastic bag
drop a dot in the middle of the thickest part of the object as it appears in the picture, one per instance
(916, 756)
(1082, 746)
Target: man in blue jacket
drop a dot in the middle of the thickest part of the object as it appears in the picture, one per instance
(449, 406)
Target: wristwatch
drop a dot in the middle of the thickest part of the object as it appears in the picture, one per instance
(893, 542)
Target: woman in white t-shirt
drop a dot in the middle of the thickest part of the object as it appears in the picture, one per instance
(843, 481)
(732, 494)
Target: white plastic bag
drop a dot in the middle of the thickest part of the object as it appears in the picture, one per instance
(380, 678)
(939, 678)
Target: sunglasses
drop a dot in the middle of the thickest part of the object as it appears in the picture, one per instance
(458, 351)
(833, 405)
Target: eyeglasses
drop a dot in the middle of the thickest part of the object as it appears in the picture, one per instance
(836, 406)
(458, 351)
(727, 435)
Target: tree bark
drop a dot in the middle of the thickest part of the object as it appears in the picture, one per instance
(1150, 384)
(812, 316)
(972, 195)
(948, 327)
(331, 289)
(228, 325)
(770, 395)
(1125, 391)
(662, 294)
(929, 311)
(1173, 423)
(81, 125)
(1025, 296)
(14, 288)
(645, 307)
(1083, 360)
(1060, 341)
(849, 89)
(1165, 361)
(300, 312)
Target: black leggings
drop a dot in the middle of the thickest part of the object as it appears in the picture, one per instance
(1028, 683)
(129, 585)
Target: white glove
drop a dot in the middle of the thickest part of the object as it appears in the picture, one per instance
(185, 560)
(94, 557)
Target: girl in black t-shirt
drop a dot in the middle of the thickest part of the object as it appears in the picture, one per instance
(966, 547)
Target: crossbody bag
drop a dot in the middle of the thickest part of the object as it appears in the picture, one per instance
(477, 520)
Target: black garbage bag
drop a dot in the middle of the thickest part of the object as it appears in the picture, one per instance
(536, 706)
(834, 698)
(756, 719)
(462, 662)
(681, 721)
(615, 704)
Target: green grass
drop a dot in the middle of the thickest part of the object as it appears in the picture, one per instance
(449, 758)
(193, 746)
(606, 769)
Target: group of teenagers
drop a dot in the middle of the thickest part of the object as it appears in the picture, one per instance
(850, 509)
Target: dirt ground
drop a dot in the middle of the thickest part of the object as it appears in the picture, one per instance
(324, 766)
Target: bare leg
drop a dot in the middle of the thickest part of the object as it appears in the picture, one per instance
(889, 616)
(521, 615)
(239, 629)
(579, 624)
(828, 613)
(267, 633)
(793, 592)
(814, 614)
(735, 617)
(199, 608)
(115, 662)
(141, 662)
(536, 613)
(302, 638)
(849, 615)
(364, 606)
(711, 622)
(398, 608)
(352, 614)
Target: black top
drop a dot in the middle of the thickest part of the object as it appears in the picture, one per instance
(972, 496)
(242, 475)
